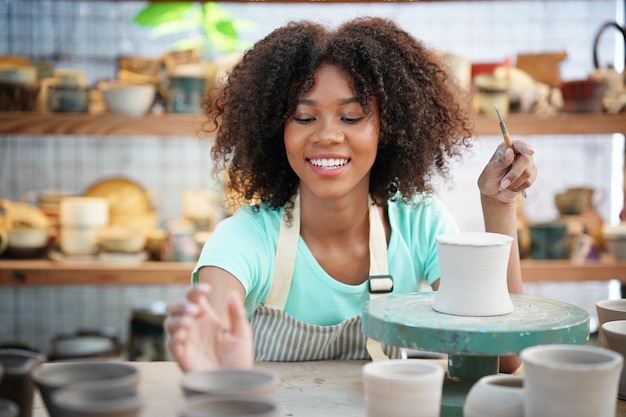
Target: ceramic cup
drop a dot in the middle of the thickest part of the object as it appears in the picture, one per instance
(402, 388)
(615, 336)
(497, 395)
(85, 401)
(473, 274)
(257, 383)
(570, 380)
(609, 310)
(53, 376)
(84, 212)
(16, 385)
(205, 406)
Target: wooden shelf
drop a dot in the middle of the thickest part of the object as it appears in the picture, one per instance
(16, 123)
(44, 272)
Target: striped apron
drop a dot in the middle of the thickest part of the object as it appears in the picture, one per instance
(280, 337)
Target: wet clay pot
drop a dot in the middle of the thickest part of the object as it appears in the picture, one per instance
(570, 380)
(473, 274)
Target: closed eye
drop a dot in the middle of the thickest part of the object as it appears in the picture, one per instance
(352, 120)
(304, 120)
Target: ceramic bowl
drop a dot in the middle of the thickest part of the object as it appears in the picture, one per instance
(121, 239)
(496, 396)
(128, 99)
(53, 376)
(258, 383)
(615, 336)
(610, 310)
(28, 237)
(203, 406)
(80, 401)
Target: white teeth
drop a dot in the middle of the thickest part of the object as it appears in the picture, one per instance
(329, 163)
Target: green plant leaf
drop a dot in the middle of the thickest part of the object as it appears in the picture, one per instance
(156, 14)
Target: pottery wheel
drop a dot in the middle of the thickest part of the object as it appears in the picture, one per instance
(473, 343)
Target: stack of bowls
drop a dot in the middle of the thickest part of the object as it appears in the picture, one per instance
(81, 219)
(230, 392)
(89, 389)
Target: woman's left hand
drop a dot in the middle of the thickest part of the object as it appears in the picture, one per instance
(508, 172)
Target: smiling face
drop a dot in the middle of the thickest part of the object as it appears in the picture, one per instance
(331, 141)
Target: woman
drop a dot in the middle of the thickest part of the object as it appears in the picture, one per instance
(336, 136)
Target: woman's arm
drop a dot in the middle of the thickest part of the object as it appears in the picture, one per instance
(505, 176)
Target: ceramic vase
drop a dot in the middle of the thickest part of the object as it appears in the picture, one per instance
(473, 274)
(402, 388)
(496, 396)
(615, 336)
(570, 381)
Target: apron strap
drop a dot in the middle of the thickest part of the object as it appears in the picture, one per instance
(380, 283)
(286, 250)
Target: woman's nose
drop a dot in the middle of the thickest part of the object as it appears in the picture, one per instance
(328, 133)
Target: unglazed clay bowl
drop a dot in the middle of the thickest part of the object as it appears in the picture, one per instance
(610, 310)
(85, 401)
(53, 376)
(498, 395)
(257, 383)
(204, 406)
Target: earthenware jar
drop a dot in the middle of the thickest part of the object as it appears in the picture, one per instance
(570, 380)
(473, 274)
(16, 384)
(497, 395)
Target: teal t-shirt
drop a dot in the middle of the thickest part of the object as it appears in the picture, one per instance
(245, 246)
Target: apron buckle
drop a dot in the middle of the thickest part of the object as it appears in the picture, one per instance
(380, 284)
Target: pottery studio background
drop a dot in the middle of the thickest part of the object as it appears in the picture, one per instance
(89, 35)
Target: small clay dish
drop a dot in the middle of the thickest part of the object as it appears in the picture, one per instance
(203, 406)
(53, 376)
(81, 401)
(257, 383)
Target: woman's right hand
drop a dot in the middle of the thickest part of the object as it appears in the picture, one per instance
(199, 340)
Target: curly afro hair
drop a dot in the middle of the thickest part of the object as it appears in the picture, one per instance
(424, 123)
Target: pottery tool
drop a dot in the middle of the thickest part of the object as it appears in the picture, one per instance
(507, 139)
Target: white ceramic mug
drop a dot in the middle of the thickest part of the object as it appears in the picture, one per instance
(403, 388)
(570, 381)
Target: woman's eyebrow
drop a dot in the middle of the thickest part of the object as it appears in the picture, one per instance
(310, 102)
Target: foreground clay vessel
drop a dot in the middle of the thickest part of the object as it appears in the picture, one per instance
(498, 395)
(402, 388)
(570, 381)
(473, 274)
(615, 336)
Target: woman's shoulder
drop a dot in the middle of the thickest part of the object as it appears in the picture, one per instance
(422, 209)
